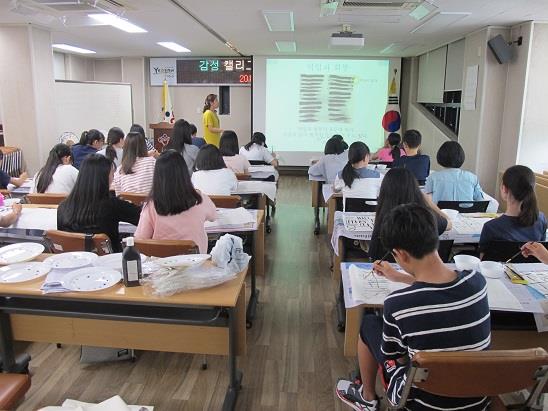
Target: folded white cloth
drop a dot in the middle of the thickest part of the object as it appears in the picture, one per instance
(228, 253)
(115, 403)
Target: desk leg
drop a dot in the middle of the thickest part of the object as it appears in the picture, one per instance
(258, 268)
(337, 274)
(235, 376)
(318, 196)
(9, 362)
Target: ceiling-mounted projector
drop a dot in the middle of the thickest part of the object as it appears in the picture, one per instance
(347, 39)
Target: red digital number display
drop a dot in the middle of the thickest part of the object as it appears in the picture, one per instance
(245, 78)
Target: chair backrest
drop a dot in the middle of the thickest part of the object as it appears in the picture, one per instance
(473, 374)
(226, 201)
(444, 251)
(465, 206)
(243, 176)
(504, 250)
(166, 248)
(258, 163)
(542, 197)
(45, 198)
(541, 179)
(6, 193)
(357, 205)
(62, 242)
(135, 198)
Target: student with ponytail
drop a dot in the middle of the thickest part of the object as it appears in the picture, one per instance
(58, 175)
(135, 173)
(90, 142)
(181, 141)
(115, 146)
(356, 180)
(391, 151)
(522, 220)
(210, 120)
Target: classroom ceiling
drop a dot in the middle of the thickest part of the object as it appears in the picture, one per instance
(387, 31)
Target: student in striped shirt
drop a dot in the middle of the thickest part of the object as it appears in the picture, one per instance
(135, 173)
(441, 310)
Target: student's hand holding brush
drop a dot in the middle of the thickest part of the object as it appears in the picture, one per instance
(386, 270)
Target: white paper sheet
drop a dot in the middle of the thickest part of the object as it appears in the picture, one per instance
(500, 297)
(369, 288)
(470, 87)
(226, 217)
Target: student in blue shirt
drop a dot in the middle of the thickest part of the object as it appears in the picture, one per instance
(356, 179)
(416, 317)
(522, 220)
(418, 164)
(90, 142)
(334, 159)
(452, 183)
(196, 141)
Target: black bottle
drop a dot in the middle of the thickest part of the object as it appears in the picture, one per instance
(131, 264)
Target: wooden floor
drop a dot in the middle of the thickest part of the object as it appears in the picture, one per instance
(294, 352)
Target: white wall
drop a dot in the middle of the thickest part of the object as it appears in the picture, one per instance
(59, 71)
(533, 150)
(133, 72)
(107, 70)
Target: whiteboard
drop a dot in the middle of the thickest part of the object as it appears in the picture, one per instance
(85, 105)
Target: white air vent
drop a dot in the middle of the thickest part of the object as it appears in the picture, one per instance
(392, 4)
(85, 6)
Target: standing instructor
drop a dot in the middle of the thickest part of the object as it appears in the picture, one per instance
(210, 120)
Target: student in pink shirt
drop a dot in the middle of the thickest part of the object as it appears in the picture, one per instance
(229, 150)
(175, 210)
(391, 150)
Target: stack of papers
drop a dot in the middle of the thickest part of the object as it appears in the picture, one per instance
(230, 218)
(500, 297)
(361, 222)
(54, 282)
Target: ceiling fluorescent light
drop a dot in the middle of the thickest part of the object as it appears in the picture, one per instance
(73, 49)
(279, 20)
(388, 49)
(286, 46)
(329, 8)
(173, 46)
(118, 22)
(423, 10)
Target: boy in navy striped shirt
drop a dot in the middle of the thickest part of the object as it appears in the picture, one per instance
(441, 310)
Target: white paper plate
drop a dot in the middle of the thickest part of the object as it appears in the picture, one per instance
(75, 259)
(113, 261)
(18, 273)
(20, 252)
(187, 260)
(91, 279)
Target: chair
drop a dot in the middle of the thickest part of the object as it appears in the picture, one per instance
(62, 241)
(6, 193)
(258, 163)
(444, 251)
(45, 198)
(357, 205)
(542, 197)
(226, 201)
(243, 176)
(504, 250)
(471, 374)
(166, 248)
(135, 198)
(13, 388)
(465, 206)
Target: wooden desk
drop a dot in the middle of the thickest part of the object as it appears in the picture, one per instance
(210, 321)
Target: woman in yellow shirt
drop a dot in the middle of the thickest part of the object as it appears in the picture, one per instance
(210, 120)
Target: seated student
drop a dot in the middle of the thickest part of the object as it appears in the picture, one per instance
(415, 318)
(196, 141)
(536, 250)
(256, 150)
(522, 220)
(355, 179)
(58, 175)
(135, 173)
(9, 218)
(452, 183)
(334, 159)
(175, 211)
(89, 208)
(398, 187)
(391, 151)
(181, 142)
(6, 179)
(229, 150)
(211, 176)
(90, 142)
(341, 139)
(114, 149)
(150, 146)
(418, 164)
